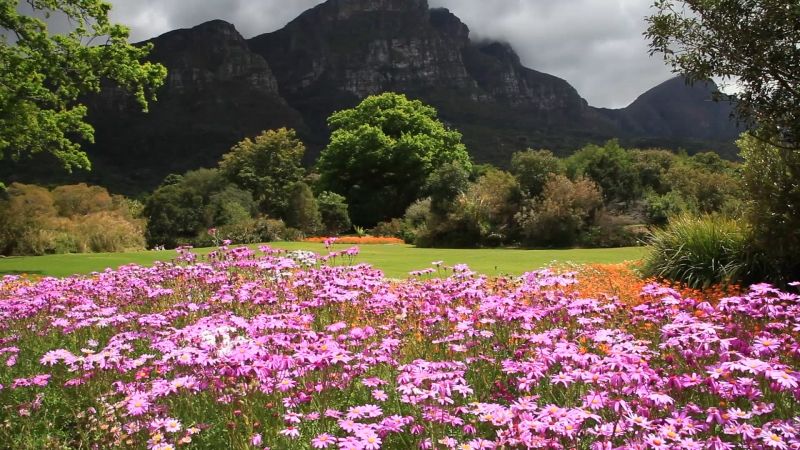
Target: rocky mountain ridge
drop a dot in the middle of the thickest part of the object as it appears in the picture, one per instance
(221, 88)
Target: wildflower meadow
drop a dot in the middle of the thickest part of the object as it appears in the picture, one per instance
(268, 349)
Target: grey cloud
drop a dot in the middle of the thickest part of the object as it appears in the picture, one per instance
(596, 45)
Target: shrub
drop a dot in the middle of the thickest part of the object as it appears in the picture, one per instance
(483, 215)
(303, 212)
(108, 232)
(70, 219)
(533, 168)
(565, 209)
(659, 208)
(771, 177)
(699, 251)
(333, 211)
(609, 231)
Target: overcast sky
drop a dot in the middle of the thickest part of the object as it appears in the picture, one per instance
(596, 45)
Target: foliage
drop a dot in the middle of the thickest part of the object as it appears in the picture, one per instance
(704, 191)
(106, 231)
(483, 215)
(381, 153)
(229, 205)
(610, 166)
(750, 42)
(293, 350)
(81, 199)
(266, 166)
(565, 209)
(611, 231)
(534, 168)
(660, 208)
(69, 219)
(43, 76)
(772, 182)
(652, 166)
(444, 185)
(333, 212)
(699, 251)
(184, 209)
(302, 212)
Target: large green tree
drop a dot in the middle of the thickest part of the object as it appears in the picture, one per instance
(610, 166)
(43, 75)
(755, 43)
(267, 166)
(381, 153)
(534, 168)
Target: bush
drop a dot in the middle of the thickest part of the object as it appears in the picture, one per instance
(303, 212)
(107, 232)
(659, 208)
(699, 251)
(69, 219)
(563, 212)
(333, 211)
(771, 177)
(610, 231)
(534, 168)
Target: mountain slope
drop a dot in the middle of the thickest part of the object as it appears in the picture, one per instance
(222, 87)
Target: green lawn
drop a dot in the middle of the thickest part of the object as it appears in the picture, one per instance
(395, 260)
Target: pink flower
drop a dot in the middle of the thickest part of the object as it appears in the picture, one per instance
(138, 404)
(290, 432)
(323, 440)
(380, 395)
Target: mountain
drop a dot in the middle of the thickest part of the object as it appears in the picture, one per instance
(221, 88)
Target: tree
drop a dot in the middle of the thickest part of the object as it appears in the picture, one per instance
(534, 168)
(652, 167)
(772, 182)
(483, 214)
(43, 76)
(751, 42)
(610, 166)
(564, 210)
(266, 166)
(188, 206)
(381, 153)
(444, 185)
(303, 212)
(333, 210)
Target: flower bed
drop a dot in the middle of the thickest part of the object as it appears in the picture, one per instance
(276, 350)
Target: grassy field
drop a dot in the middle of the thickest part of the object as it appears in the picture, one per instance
(395, 260)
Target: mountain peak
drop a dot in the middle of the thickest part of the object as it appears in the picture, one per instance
(355, 6)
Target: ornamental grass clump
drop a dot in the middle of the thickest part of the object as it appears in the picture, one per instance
(272, 350)
(699, 251)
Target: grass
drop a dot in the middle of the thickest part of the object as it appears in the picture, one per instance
(395, 260)
(699, 251)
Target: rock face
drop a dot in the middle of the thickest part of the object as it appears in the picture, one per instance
(222, 87)
(216, 93)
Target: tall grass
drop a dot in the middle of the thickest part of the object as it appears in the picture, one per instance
(699, 251)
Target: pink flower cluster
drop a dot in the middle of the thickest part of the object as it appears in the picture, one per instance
(268, 350)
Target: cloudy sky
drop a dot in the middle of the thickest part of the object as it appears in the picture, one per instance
(596, 45)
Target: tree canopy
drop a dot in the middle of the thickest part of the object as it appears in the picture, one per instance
(266, 166)
(381, 153)
(754, 43)
(43, 76)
